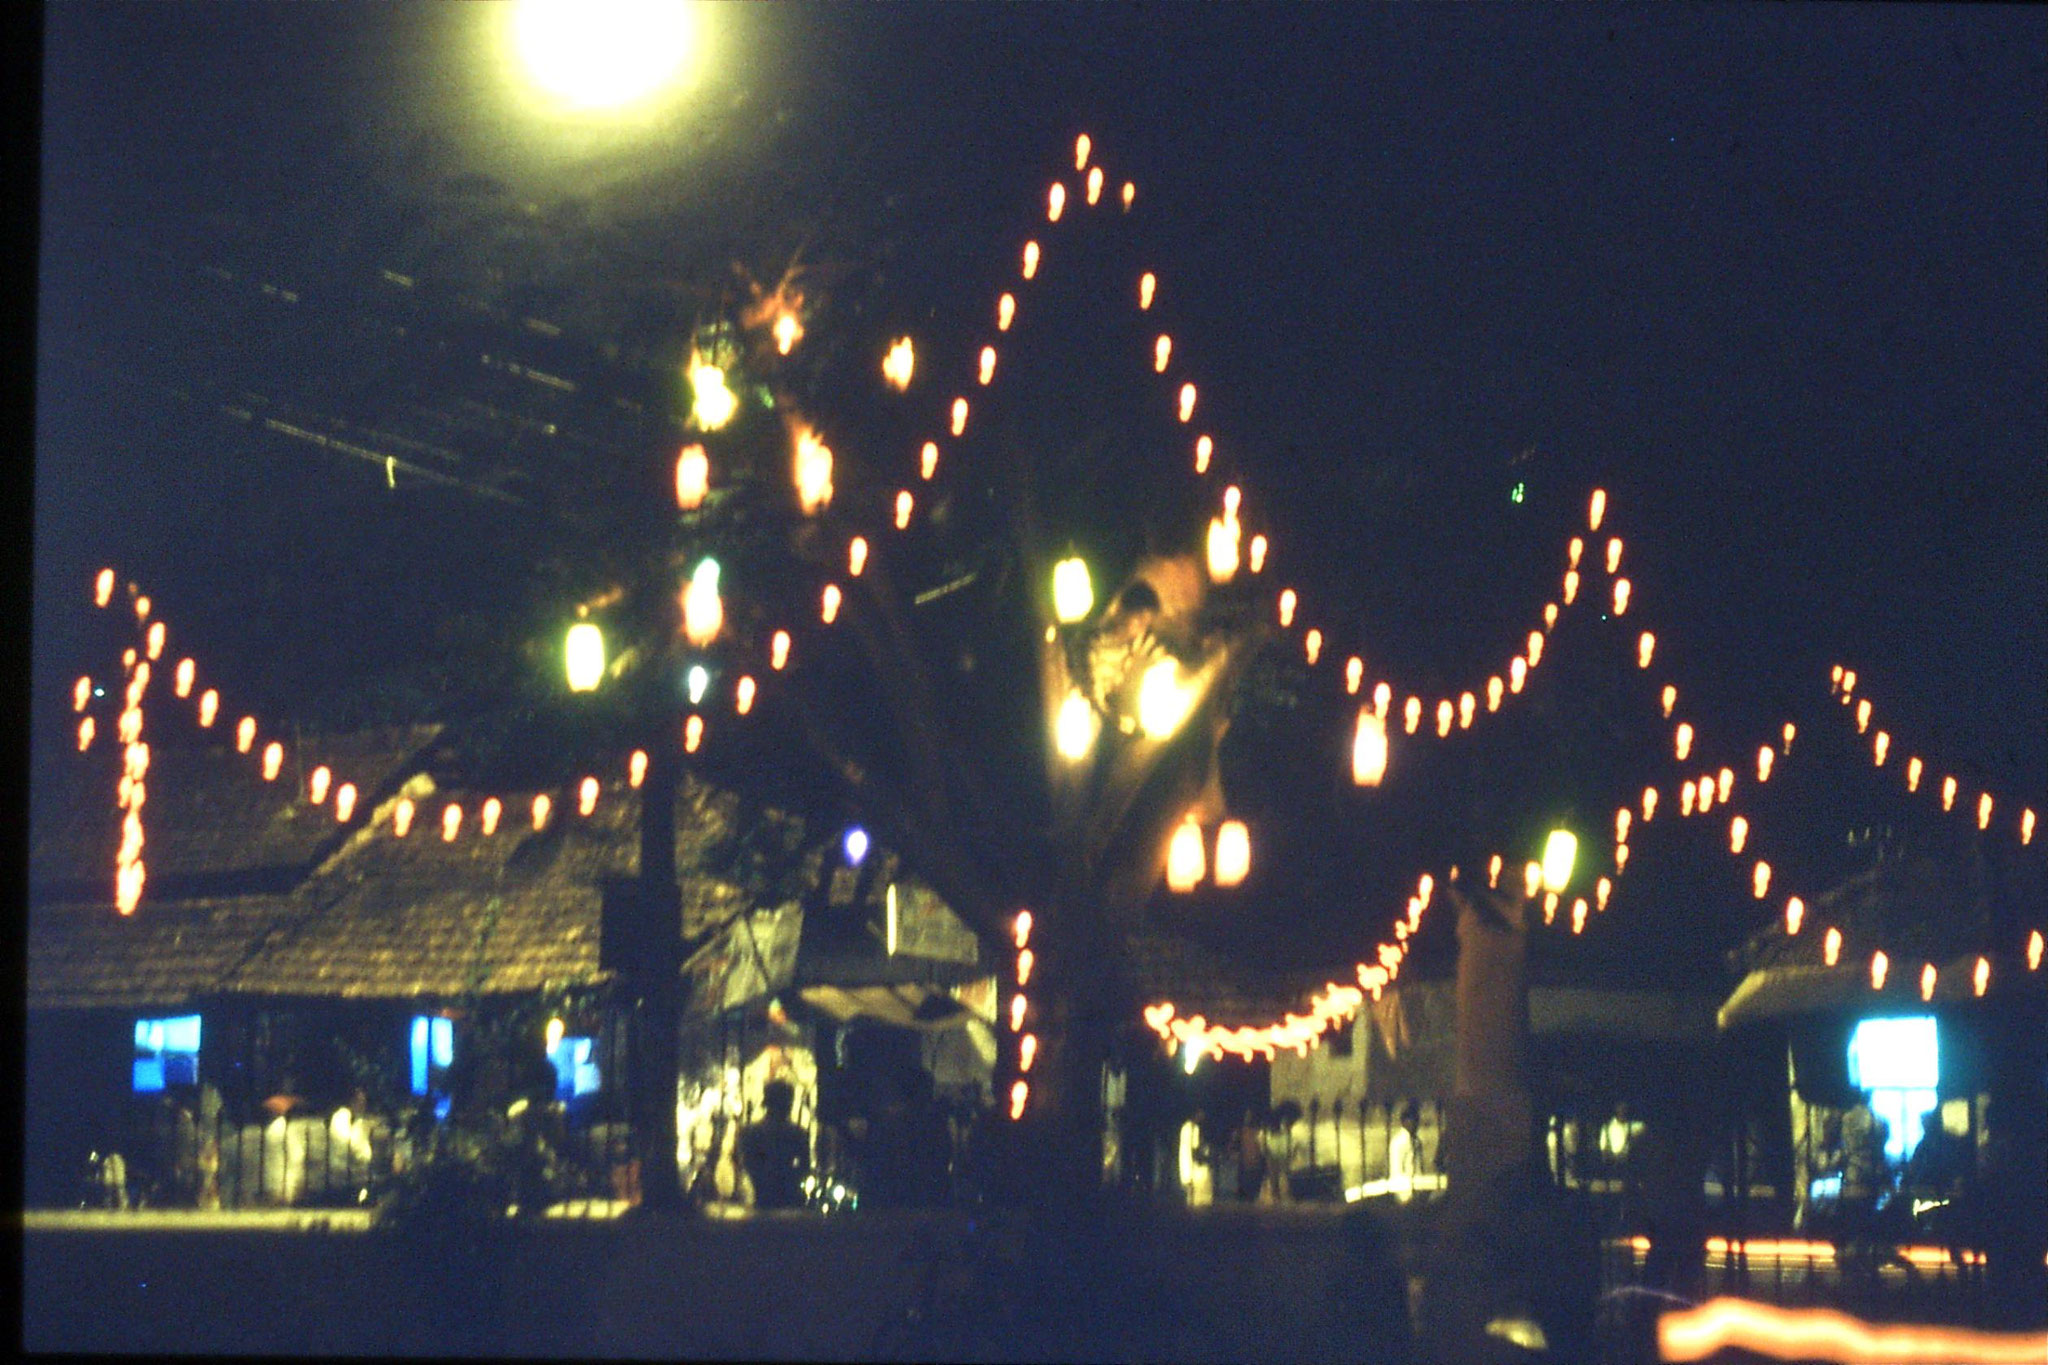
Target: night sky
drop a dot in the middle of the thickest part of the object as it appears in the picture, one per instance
(1772, 276)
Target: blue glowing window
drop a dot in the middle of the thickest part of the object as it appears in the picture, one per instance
(1898, 1061)
(433, 1050)
(166, 1052)
(575, 1073)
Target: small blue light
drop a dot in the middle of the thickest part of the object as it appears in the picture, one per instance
(700, 680)
(856, 845)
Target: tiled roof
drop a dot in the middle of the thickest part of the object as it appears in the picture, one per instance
(84, 956)
(213, 826)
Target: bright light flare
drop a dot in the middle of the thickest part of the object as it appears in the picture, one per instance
(1684, 740)
(959, 427)
(778, 650)
(1880, 965)
(1760, 879)
(828, 604)
(1162, 352)
(103, 588)
(900, 362)
(1073, 595)
(586, 796)
(1621, 589)
(1560, 851)
(1006, 312)
(812, 471)
(1596, 509)
(1147, 282)
(1823, 1334)
(986, 370)
(583, 654)
(1163, 699)
(1831, 946)
(1795, 915)
(595, 55)
(1369, 749)
(1187, 401)
(712, 404)
(1030, 259)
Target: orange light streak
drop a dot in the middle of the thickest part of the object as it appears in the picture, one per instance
(1823, 1334)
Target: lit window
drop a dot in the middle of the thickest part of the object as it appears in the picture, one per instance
(433, 1050)
(166, 1052)
(1898, 1061)
(575, 1072)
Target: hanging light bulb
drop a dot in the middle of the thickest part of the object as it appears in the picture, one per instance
(1981, 977)
(1560, 850)
(1831, 946)
(959, 416)
(1518, 672)
(829, 604)
(1880, 746)
(1573, 549)
(1795, 915)
(142, 608)
(1075, 728)
(1790, 731)
(103, 588)
(1204, 448)
(1535, 648)
(1082, 144)
(81, 693)
(1185, 860)
(1233, 853)
(1094, 185)
(1760, 879)
(1443, 719)
(904, 503)
(1382, 697)
(1532, 879)
(1948, 793)
(1571, 590)
(209, 706)
(693, 477)
(401, 817)
(1763, 763)
(273, 760)
(1706, 793)
(1411, 714)
(1579, 915)
(703, 609)
(928, 460)
(541, 806)
(155, 639)
(1222, 548)
(85, 731)
(1649, 804)
(1027, 1052)
(1913, 774)
(1724, 782)
(1187, 401)
(1669, 697)
(1369, 749)
(1162, 350)
(493, 808)
(1602, 889)
(1030, 259)
(1684, 739)
(743, 696)
(856, 556)
(1622, 818)
(344, 802)
(1493, 872)
(987, 368)
(1055, 202)
(316, 784)
(1862, 715)
(1596, 509)
(1620, 596)
(899, 362)
(1354, 675)
(2027, 826)
(778, 650)
(1685, 797)
(1287, 601)
(1738, 834)
(1984, 811)
(451, 822)
(586, 796)
(1848, 684)
(583, 653)
(1467, 703)
(1163, 699)
(1494, 688)
(1130, 193)
(636, 768)
(1147, 282)
(1879, 966)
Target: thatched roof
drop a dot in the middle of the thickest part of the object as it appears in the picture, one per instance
(213, 826)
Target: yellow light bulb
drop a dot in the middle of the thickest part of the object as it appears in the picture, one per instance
(1518, 672)
(1287, 601)
(1760, 879)
(1684, 744)
(1738, 834)
(959, 416)
(1073, 595)
(1076, 727)
(451, 822)
(1411, 714)
(586, 796)
(1649, 804)
(1571, 588)
(1795, 914)
(1233, 853)
(987, 368)
(1831, 947)
(541, 807)
(636, 768)
(743, 696)
(928, 460)
(1369, 749)
(1596, 509)
(1560, 850)
(1354, 675)
(1443, 719)
(778, 650)
(828, 606)
(1879, 966)
(1494, 688)
(904, 504)
(401, 817)
(1573, 550)
(1147, 282)
(493, 809)
(1162, 351)
(1185, 860)
(1467, 703)
(1055, 202)
(1030, 259)
(344, 802)
(1621, 589)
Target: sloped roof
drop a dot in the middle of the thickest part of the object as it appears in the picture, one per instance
(212, 825)
(84, 956)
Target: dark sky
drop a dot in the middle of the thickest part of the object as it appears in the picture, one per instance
(1773, 276)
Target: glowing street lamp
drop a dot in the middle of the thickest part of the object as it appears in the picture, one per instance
(1560, 850)
(584, 653)
(586, 56)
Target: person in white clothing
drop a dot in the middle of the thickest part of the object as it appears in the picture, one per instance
(1195, 1175)
(1404, 1154)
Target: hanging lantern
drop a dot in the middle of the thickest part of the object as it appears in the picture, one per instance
(1913, 774)
(1163, 700)
(1287, 601)
(987, 369)
(829, 606)
(451, 822)
(1596, 509)
(1571, 590)
(344, 802)
(1532, 879)
(1518, 672)
(1162, 350)
(1831, 947)
(1684, 739)
(1981, 977)
(1535, 648)
(1006, 312)
(1602, 889)
(1075, 727)
(1073, 596)
(1685, 797)
(1948, 793)
(1055, 202)
(493, 808)
(2034, 950)
(1233, 853)
(636, 768)
(245, 734)
(1494, 688)
(2027, 826)
(1927, 978)
(1984, 811)
(928, 460)
(1760, 879)
(1560, 850)
(1094, 185)
(1187, 401)
(1467, 703)
(959, 416)
(1880, 746)
(1147, 282)
(1412, 714)
(1795, 914)
(703, 609)
(1185, 860)
(1204, 448)
(1622, 818)
(85, 730)
(1879, 965)
(743, 696)
(812, 471)
(1862, 715)
(1669, 697)
(541, 806)
(1443, 719)
(401, 817)
(1130, 193)
(899, 362)
(316, 785)
(273, 761)
(1620, 596)
(1369, 749)
(1030, 259)
(1493, 872)
(1222, 549)
(586, 796)
(1579, 915)
(103, 588)
(778, 650)
(1382, 697)
(856, 556)
(1649, 804)
(1738, 834)
(1790, 731)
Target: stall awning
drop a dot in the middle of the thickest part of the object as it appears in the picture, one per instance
(926, 1008)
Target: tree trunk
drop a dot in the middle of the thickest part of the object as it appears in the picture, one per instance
(656, 988)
